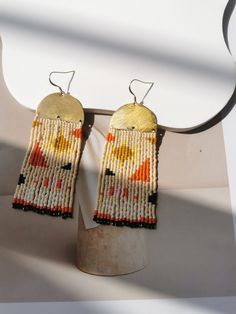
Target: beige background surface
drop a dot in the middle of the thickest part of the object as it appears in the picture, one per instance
(191, 254)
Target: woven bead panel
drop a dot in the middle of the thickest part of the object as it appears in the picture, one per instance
(48, 173)
(127, 191)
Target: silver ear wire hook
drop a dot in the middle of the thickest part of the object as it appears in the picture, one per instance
(135, 98)
(64, 72)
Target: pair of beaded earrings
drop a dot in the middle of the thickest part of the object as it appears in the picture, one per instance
(127, 187)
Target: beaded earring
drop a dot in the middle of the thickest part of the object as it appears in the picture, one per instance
(48, 173)
(127, 188)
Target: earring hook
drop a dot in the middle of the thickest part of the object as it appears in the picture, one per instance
(144, 82)
(63, 72)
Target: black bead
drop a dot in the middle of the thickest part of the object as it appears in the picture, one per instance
(109, 172)
(153, 198)
(21, 179)
(67, 166)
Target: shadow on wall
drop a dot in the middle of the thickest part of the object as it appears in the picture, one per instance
(115, 47)
(120, 48)
(192, 254)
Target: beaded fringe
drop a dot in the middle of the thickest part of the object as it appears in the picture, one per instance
(48, 173)
(127, 190)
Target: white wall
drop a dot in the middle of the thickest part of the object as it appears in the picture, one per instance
(109, 45)
(177, 44)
